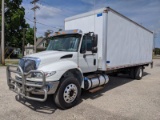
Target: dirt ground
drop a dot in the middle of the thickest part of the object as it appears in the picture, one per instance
(121, 99)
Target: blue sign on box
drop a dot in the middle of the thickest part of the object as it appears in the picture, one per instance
(107, 61)
(99, 14)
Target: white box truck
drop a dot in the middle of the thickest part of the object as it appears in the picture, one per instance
(93, 45)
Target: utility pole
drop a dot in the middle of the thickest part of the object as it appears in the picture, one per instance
(34, 9)
(2, 35)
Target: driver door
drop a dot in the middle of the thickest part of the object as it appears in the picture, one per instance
(87, 59)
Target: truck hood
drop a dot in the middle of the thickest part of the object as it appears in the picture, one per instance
(48, 57)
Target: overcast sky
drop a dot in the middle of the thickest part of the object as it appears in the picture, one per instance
(52, 13)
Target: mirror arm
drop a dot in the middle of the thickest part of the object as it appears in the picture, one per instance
(84, 55)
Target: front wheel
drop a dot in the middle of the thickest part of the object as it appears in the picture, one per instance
(68, 93)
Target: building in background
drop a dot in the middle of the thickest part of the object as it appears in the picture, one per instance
(40, 45)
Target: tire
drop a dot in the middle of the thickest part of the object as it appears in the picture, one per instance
(68, 93)
(138, 73)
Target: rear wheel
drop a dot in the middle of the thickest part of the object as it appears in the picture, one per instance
(68, 94)
(136, 73)
(139, 73)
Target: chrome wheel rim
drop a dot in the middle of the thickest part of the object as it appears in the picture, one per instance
(70, 93)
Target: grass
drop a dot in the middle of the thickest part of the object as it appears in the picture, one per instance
(156, 57)
(10, 61)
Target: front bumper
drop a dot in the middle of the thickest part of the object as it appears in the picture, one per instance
(21, 84)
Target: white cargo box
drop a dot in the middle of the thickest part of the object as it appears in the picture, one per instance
(121, 41)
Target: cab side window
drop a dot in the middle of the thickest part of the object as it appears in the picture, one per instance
(86, 44)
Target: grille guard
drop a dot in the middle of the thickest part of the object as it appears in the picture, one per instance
(22, 91)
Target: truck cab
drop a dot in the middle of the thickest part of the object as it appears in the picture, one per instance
(59, 70)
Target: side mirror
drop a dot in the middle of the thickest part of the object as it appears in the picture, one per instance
(94, 40)
(94, 43)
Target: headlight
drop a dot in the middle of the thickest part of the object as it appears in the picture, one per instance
(47, 74)
(26, 61)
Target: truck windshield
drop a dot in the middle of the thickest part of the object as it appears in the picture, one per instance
(67, 43)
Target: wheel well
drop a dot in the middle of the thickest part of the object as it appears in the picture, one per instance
(75, 73)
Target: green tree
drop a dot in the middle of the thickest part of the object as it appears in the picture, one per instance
(14, 23)
(157, 51)
(29, 36)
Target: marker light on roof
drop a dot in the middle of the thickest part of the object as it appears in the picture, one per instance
(75, 31)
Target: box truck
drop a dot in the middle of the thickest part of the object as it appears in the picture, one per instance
(93, 45)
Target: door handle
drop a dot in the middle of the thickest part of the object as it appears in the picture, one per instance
(94, 62)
